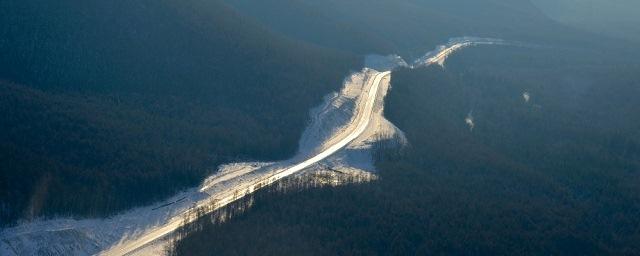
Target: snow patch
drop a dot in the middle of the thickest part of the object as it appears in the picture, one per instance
(526, 96)
(440, 54)
(384, 63)
(469, 121)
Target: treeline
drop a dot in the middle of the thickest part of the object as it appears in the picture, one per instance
(108, 105)
(552, 175)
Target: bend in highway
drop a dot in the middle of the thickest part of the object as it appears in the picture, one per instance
(220, 198)
(225, 197)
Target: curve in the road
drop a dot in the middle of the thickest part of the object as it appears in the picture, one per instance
(231, 195)
(245, 187)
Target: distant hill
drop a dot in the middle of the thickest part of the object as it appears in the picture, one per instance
(107, 105)
(147, 46)
(407, 27)
(620, 18)
(320, 23)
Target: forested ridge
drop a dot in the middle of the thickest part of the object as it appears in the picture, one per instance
(553, 175)
(107, 105)
(410, 28)
(617, 19)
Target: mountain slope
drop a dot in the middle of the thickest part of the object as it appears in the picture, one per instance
(612, 18)
(552, 175)
(112, 104)
(314, 22)
(407, 27)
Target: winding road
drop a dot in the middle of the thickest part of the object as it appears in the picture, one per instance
(246, 181)
(222, 198)
(142, 230)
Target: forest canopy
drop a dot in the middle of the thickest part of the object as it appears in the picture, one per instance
(534, 176)
(103, 112)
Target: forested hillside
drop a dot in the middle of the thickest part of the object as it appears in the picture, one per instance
(406, 27)
(108, 105)
(618, 19)
(553, 173)
(315, 22)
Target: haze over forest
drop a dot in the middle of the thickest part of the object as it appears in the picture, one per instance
(521, 138)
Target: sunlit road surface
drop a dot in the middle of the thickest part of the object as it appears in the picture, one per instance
(244, 187)
(227, 196)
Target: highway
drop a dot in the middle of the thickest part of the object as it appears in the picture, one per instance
(243, 181)
(232, 194)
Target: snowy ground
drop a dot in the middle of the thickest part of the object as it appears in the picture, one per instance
(337, 142)
(440, 54)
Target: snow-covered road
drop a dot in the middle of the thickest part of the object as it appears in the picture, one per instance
(231, 194)
(233, 181)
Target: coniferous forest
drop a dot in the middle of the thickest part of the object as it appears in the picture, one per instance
(555, 175)
(531, 148)
(104, 112)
